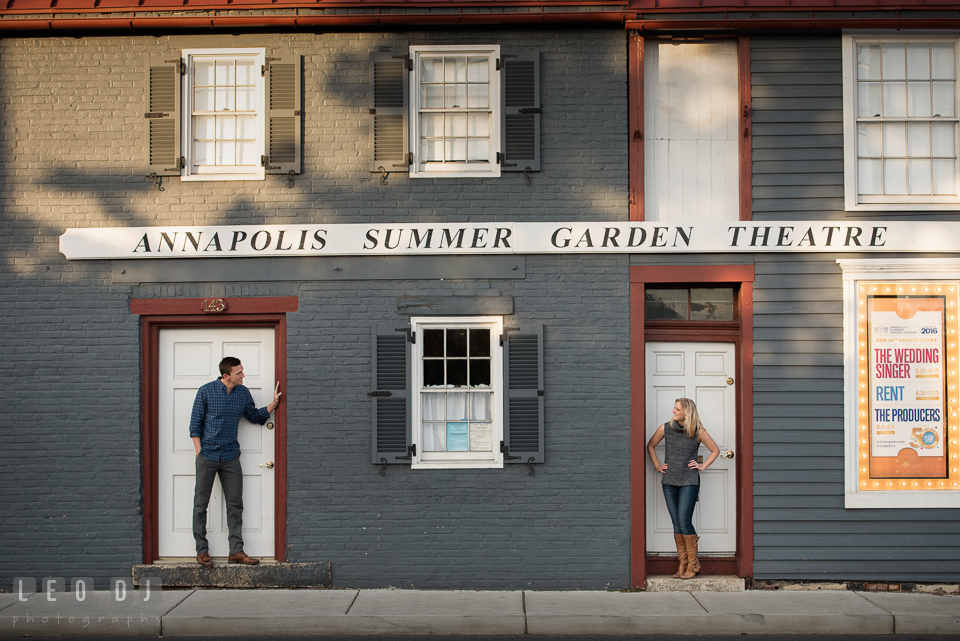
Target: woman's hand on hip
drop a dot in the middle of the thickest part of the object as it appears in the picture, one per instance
(697, 466)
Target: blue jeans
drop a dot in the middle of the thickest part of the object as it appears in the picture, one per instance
(681, 499)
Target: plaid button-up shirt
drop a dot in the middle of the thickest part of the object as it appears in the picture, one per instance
(216, 417)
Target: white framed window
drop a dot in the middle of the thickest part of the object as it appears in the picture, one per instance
(455, 111)
(223, 132)
(457, 392)
(900, 106)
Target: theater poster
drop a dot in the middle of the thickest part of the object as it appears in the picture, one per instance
(908, 404)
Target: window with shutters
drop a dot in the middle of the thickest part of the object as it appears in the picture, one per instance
(224, 114)
(900, 123)
(457, 384)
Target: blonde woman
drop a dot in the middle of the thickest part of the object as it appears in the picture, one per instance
(681, 477)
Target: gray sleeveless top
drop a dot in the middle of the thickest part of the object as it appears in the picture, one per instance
(680, 450)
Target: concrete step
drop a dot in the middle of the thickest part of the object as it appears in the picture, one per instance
(223, 575)
(696, 584)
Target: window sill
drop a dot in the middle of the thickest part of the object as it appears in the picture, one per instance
(221, 177)
(454, 464)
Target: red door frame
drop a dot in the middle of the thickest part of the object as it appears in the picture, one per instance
(165, 313)
(743, 276)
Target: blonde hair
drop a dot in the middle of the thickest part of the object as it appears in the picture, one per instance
(692, 421)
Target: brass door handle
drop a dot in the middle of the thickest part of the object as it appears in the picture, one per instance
(270, 425)
(268, 465)
(729, 454)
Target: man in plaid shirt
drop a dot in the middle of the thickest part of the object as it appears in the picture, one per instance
(213, 427)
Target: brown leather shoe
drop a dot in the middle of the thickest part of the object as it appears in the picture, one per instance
(241, 557)
(204, 559)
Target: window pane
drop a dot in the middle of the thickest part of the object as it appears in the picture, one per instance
(944, 145)
(203, 153)
(433, 342)
(479, 342)
(715, 304)
(434, 437)
(457, 437)
(893, 62)
(918, 176)
(204, 127)
(457, 406)
(226, 153)
(478, 150)
(457, 372)
(918, 99)
(894, 139)
(479, 96)
(944, 100)
(455, 125)
(478, 125)
(245, 99)
(247, 154)
(455, 69)
(868, 99)
(666, 304)
(944, 177)
(479, 372)
(894, 99)
(454, 96)
(226, 127)
(432, 150)
(203, 99)
(225, 73)
(870, 139)
(433, 373)
(478, 70)
(431, 125)
(918, 61)
(480, 437)
(942, 56)
(203, 72)
(868, 62)
(895, 176)
(918, 139)
(431, 69)
(433, 407)
(456, 342)
(480, 407)
(224, 99)
(868, 176)
(455, 150)
(433, 96)
(245, 72)
(246, 127)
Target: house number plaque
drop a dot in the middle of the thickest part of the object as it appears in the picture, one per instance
(213, 306)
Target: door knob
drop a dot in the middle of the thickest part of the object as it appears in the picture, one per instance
(729, 454)
(729, 381)
(270, 425)
(268, 465)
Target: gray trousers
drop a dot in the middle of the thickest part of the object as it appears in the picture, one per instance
(231, 480)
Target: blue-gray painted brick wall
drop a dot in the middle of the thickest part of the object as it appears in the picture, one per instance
(72, 124)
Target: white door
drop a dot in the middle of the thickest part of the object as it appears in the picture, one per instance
(703, 372)
(189, 358)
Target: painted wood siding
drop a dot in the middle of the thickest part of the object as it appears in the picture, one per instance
(801, 529)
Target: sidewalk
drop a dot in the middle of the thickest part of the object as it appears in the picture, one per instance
(464, 612)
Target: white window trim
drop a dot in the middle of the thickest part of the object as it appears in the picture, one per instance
(457, 460)
(186, 127)
(886, 269)
(490, 169)
(852, 199)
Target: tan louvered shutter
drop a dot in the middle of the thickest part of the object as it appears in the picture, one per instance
(520, 102)
(163, 117)
(389, 129)
(282, 121)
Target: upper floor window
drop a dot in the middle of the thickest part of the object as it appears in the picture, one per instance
(900, 123)
(455, 111)
(689, 304)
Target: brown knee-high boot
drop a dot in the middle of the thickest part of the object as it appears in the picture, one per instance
(682, 554)
(693, 563)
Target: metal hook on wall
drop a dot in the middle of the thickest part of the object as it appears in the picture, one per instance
(530, 464)
(383, 175)
(383, 470)
(526, 175)
(290, 175)
(157, 180)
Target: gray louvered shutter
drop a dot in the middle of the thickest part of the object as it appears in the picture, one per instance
(282, 121)
(390, 395)
(163, 117)
(523, 393)
(389, 129)
(520, 103)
